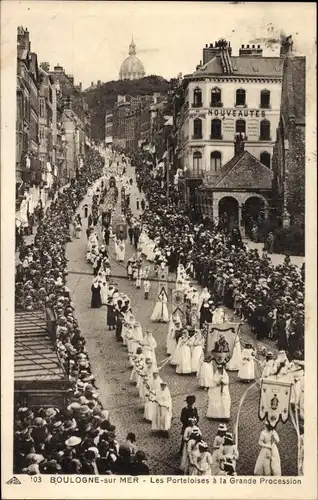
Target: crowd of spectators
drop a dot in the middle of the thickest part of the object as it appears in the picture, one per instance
(79, 439)
(270, 298)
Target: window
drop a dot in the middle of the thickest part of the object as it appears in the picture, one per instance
(216, 98)
(265, 158)
(265, 99)
(42, 134)
(197, 161)
(197, 129)
(240, 127)
(215, 161)
(197, 98)
(216, 129)
(265, 130)
(42, 108)
(240, 97)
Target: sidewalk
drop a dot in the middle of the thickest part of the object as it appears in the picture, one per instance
(276, 258)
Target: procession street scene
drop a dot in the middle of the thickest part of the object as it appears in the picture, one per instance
(160, 269)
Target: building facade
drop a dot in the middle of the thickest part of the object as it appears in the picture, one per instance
(226, 98)
(108, 128)
(289, 160)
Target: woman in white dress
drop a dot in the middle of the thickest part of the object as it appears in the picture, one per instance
(149, 348)
(193, 453)
(150, 396)
(170, 337)
(197, 351)
(228, 450)
(184, 355)
(160, 313)
(269, 366)
(219, 315)
(163, 410)
(120, 250)
(192, 428)
(235, 362)
(246, 371)
(268, 460)
(204, 460)
(138, 361)
(104, 292)
(217, 443)
(219, 406)
(205, 373)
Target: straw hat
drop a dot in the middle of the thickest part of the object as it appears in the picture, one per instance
(73, 441)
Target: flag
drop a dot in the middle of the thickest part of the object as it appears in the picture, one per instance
(220, 341)
(274, 401)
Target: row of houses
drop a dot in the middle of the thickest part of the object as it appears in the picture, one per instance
(52, 126)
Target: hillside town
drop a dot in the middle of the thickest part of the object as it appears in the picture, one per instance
(160, 270)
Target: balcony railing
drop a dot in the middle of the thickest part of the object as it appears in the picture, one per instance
(197, 104)
(265, 106)
(216, 137)
(265, 138)
(216, 104)
(197, 136)
(241, 105)
(197, 173)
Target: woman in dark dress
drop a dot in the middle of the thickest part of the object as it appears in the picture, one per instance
(206, 313)
(111, 316)
(96, 301)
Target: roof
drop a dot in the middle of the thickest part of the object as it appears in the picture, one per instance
(244, 66)
(34, 354)
(243, 171)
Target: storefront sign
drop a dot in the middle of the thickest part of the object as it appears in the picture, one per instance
(237, 113)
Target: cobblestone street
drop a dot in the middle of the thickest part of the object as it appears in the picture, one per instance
(110, 365)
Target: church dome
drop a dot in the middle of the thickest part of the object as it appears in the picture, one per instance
(132, 67)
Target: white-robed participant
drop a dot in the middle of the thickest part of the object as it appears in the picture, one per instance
(219, 406)
(160, 313)
(246, 371)
(269, 366)
(184, 355)
(196, 351)
(149, 348)
(171, 342)
(191, 429)
(120, 250)
(163, 411)
(219, 315)
(205, 373)
(150, 396)
(138, 361)
(204, 295)
(235, 362)
(268, 461)
(104, 292)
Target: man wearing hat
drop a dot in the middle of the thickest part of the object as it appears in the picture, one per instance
(189, 411)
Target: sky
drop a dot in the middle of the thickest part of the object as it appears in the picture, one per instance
(90, 39)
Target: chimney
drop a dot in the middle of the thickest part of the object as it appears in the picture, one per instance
(45, 66)
(209, 52)
(58, 68)
(251, 51)
(92, 84)
(23, 39)
(286, 47)
(71, 78)
(238, 144)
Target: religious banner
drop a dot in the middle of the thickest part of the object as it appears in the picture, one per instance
(177, 298)
(193, 318)
(163, 274)
(274, 401)
(121, 231)
(220, 341)
(162, 295)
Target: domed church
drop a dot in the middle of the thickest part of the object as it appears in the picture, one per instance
(132, 67)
